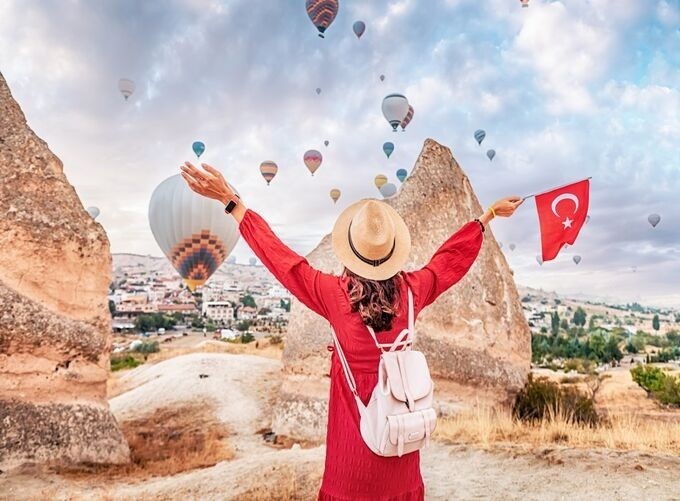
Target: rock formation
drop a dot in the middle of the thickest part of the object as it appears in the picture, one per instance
(475, 336)
(55, 269)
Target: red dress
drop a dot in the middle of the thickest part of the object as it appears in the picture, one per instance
(352, 471)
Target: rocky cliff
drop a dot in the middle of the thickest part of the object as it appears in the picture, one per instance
(55, 269)
(475, 336)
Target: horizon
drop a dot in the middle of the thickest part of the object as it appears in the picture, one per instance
(241, 77)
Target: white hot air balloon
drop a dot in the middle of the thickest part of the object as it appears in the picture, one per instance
(395, 109)
(252, 261)
(93, 212)
(191, 230)
(577, 259)
(231, 260)
(126, 87)
(388, 189)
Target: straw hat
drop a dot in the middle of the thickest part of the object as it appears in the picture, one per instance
(371, 239)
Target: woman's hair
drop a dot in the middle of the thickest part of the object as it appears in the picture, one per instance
(377, 301)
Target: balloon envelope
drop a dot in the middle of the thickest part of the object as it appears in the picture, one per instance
(654, 219)
(479, 136)
(322, 13)
(379, 180)
(335, 194)
(268, 169)
(539, 260)
(231, 260)
(359, 27)
(318, 91)
(126, 87)
(525, 3)
(388, 148)
(401, 174)
(382, 78)
(198, 148)
(407, 119)
(388, 190)
(252, 261)
(312, 159)
(577, 259)
(491, 154)
(512, 247)
(395, 109)
(326, 143)
(191, 230)
(93, 212)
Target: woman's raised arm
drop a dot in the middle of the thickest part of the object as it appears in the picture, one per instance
(291, 269)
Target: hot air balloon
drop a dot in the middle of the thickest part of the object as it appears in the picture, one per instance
(252, 261)
(268, 169)
(491, 154)
(654, 219)
(382, 78)
(587, 218)
(335, 194)
(395, 109)
(191, 230)
(512, 247)
(379, 180)
(539, 260)
(93, 212)
(312, 159)
(326, 143)
(126, 87)
(318, 91)
(231, 260)
(407, 118)
(198, 148)
(525, 3)
(388, 189)
(322, 13)
(388, 148)
(401, 175)
(577, 259)
(359, 27)
(479, 136)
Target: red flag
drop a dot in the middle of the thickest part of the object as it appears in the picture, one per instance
(561, 214)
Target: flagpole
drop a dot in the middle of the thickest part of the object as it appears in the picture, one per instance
(557, 188)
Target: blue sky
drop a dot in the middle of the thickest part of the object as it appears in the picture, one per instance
(565, 89)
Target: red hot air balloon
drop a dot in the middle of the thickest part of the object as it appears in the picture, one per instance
(268, 169)
(407, 118)
(322, 13)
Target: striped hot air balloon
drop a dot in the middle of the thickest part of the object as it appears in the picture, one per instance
(401, 175)
(312, 159)
(191, 230)
(525, 3)
(335, 195)
(268, 169)
(407, 119)
(479, 136)
(322, 13)
(388, 148)
(126, 87)
(379, 180)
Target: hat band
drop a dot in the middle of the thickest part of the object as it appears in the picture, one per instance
(372, 262)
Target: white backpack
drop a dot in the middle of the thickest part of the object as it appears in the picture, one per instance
(399, 417)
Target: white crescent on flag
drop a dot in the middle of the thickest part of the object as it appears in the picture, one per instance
(564, 196)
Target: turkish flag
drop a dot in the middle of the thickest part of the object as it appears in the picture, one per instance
(561, 214)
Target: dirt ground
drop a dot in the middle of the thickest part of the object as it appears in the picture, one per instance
(240, 390)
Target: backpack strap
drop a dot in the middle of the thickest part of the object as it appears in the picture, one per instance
(405, 337)
(345, 366)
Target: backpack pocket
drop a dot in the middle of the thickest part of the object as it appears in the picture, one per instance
(410, 431)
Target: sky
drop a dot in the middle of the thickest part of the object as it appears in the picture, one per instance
(564, 89)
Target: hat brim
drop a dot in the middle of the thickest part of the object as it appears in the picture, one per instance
(344, 253)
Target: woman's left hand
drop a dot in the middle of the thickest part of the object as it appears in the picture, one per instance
(209, 182)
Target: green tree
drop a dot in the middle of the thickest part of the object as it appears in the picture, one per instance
(248, 300)
(564, 324)
(555, 323)
(112, 308)
(579, 317)
(285, 305)
(244, 325)
(655, 322)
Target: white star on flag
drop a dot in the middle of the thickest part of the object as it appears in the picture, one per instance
(567, 223)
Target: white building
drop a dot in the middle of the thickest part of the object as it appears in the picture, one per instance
(220, 311)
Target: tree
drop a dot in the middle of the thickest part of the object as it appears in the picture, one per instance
(555, 323)
(243, 325)
(655, 322)
(248, 300)
(579, 317)
(564, 324)
(285, 305)
(112, 308)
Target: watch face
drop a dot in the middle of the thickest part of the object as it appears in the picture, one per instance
(230, 207)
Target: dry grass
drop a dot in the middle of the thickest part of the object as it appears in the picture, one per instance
(166, 442)
(485, 427)
(263, 349)
(284, 483)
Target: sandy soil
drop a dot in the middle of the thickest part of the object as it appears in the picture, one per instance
(242, 388)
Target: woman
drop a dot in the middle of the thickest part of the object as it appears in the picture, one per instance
(372, 242)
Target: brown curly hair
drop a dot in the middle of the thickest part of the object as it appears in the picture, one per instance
(377, 301)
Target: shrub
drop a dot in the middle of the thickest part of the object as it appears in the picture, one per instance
(275, 339)
(541, 398)
(658, 384)
(119, 362)
(148, 347)
(247, 337)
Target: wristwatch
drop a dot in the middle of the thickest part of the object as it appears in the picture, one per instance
(231, 205)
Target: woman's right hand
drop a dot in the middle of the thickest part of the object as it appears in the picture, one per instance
(505, 207)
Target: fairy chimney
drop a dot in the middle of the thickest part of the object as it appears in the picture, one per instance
(475, 336)
(55, 326)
